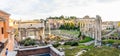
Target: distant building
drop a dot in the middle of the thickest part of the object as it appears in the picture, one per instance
(116, 24)
(55, 23)
(108, 25)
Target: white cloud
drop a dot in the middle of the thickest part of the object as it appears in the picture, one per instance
(32, 9)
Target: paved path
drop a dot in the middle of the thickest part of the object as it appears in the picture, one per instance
(12, 53)
(10, 46)
(111, 32)
(81, 52)
(88, 43)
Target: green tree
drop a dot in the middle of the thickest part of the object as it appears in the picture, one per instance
(28, 41)
(79, 34)
(61, 17)
(72, 17)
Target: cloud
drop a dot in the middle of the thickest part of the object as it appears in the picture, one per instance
(32, 9)
(106, 1)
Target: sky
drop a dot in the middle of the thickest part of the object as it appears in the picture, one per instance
(109, 10)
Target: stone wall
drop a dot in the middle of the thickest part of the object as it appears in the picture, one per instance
(39, 50)
(53, 53)
(32, 51)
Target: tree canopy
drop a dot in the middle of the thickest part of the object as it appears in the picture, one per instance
(69, 26)
(62, 17)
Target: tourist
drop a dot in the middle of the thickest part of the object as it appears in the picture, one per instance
(6, 53)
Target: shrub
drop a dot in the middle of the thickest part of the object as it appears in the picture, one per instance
(67, 43)
(72, 43)
(86, 39)
(108, 41)
(28, 41)
(56, 45)
(104, 42)
(111, 41)
(103, 38)
(79, 35)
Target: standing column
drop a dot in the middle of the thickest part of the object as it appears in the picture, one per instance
(26, 35)
(20, 34)
(37, 35)
(49, 28)
(98, 22)
(43, 34)
(95, 35)
(34, 33)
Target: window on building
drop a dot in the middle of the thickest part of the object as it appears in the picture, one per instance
(2, 30)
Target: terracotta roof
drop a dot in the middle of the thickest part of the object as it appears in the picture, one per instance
(4, 12)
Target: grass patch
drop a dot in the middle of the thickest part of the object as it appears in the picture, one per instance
(72, 33)
(110, 41)
(73, 50)
(69, 50)
(72, 43)
(104, 51)
(86, 47)
(56, 45)
(87, 39)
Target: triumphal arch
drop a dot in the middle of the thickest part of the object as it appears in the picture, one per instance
(31, 29)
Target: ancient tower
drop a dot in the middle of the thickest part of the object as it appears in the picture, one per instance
(98, 27)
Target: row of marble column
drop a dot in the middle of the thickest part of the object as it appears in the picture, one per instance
(95, 31)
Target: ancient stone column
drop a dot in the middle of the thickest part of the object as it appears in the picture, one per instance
(37, 34)
(49, 28)
(43, 34)
(98, 22)
(20, 35)
(26, 32)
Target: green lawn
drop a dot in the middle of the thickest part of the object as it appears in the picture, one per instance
(72, 33)
(111, 41)
(73, 50)
(87, 39)
(104, 51)
(70, 51)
